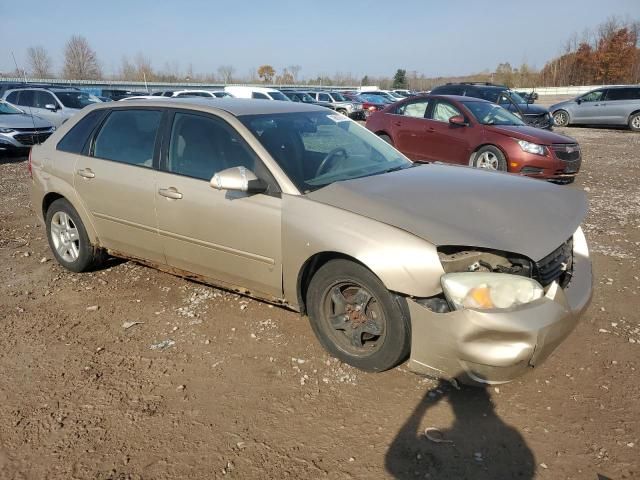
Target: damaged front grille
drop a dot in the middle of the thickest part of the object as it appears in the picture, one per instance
(557, 266)
(538, 120)
(31, 139)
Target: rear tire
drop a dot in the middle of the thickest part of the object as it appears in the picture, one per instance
(68, 238)
(634, 122)
(386, 138)
(356, 318)
(343, 112)
(561, 118)
(490, 158)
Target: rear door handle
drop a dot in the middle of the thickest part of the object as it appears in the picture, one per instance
(170, 192)
(86, 173)
(397, 123)
(430, 129)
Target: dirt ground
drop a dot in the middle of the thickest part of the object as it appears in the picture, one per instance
(211, 385)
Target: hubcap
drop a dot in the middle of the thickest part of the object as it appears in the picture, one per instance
(488, 161)
(560, 118)
(636, 122)
(355, 318)
(64, 235)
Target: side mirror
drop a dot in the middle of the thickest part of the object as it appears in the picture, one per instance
(239, 179)
(578, 101)
(458, 120)
(51, 106)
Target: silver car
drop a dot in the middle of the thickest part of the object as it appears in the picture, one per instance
(19, 131)
(55, 104)
(469, 274)
(618, 105)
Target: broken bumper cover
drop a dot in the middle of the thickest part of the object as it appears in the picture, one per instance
(497, 346)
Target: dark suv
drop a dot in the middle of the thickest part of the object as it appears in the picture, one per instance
(533, 115)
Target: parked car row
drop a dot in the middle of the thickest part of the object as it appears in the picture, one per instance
(468, 274)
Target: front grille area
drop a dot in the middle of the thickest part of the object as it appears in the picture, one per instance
(558, 265)
(568, 152)
(31, 138)
(31, 129)
(540, 121)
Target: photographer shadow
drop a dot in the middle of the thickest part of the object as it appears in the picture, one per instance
(478, 445)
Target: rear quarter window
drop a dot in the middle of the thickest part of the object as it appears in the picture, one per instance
(76, 139)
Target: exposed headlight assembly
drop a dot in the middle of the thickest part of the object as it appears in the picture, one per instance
(486, 291)
(531, 147)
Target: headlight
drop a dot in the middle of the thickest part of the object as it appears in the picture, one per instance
(531, 147)
(482, 291)
(6, 130)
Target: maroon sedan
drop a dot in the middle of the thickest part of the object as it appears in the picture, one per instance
(474, 132)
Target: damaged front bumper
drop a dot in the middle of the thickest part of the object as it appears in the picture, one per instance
(497, 346)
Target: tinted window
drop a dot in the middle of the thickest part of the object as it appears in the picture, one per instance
(414, 109)
(593, 96)
(200, 146)
(76, 138)
(259, 95)
(623, 94)
(443, 111)
(448, 90)
(26, 98)
(75, 99)
(43, 99)
(323, 97)
(129, 136)
(278, 96)
(13, 98)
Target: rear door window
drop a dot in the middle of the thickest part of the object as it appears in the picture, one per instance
(42, 99)
(323, 97)
(129, 136)
(26, 98)
(76, 139)
(259, 95)
(414, 109)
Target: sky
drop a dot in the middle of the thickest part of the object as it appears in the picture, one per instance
(324, 37)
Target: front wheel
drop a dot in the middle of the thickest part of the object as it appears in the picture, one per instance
(68, 238)
(490, 158)
(356, 318)
(634, 122)
(561, 118)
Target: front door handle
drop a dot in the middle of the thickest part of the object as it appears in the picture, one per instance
(397, 123)
(430, 129)
(86, 173)
(170, 192)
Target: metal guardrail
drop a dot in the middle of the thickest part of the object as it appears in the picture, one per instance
(151, 86)
(570, 90)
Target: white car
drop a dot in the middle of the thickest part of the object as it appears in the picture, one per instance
(192, 93)
(262, 93)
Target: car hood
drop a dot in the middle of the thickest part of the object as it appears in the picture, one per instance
(22, 120)
(532, 109)
(531, 134)
(449, 205)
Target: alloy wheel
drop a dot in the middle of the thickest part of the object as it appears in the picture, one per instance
(488, 161)
(65, 236)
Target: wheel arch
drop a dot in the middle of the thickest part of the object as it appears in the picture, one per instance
(635, 112)
(52, 196)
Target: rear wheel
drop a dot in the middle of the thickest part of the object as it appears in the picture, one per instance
(343, 112)
(634, 122)
(490, 158)
(68, 238)
(561, 118)
(356, 318)
(386, 138)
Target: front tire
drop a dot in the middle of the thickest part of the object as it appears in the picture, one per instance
(355, 317)
(561, 118)
(634, 122)
(386, 138)
(490, 158)
(68, 238)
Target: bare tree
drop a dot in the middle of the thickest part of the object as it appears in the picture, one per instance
(127, 70)
(80, 60)
(226, 73)
(39, 62)
(294, 70)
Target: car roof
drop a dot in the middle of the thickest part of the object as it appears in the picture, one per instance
(235, 106)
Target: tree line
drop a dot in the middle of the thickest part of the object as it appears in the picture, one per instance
(606, 55)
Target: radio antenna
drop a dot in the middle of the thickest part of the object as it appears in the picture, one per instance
(33, 121)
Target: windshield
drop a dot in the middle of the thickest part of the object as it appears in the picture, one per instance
(316, 149)
(492, 114)
(73, 99)
(278, 96)
(338, 97)
(7, 109)
(371, 98)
